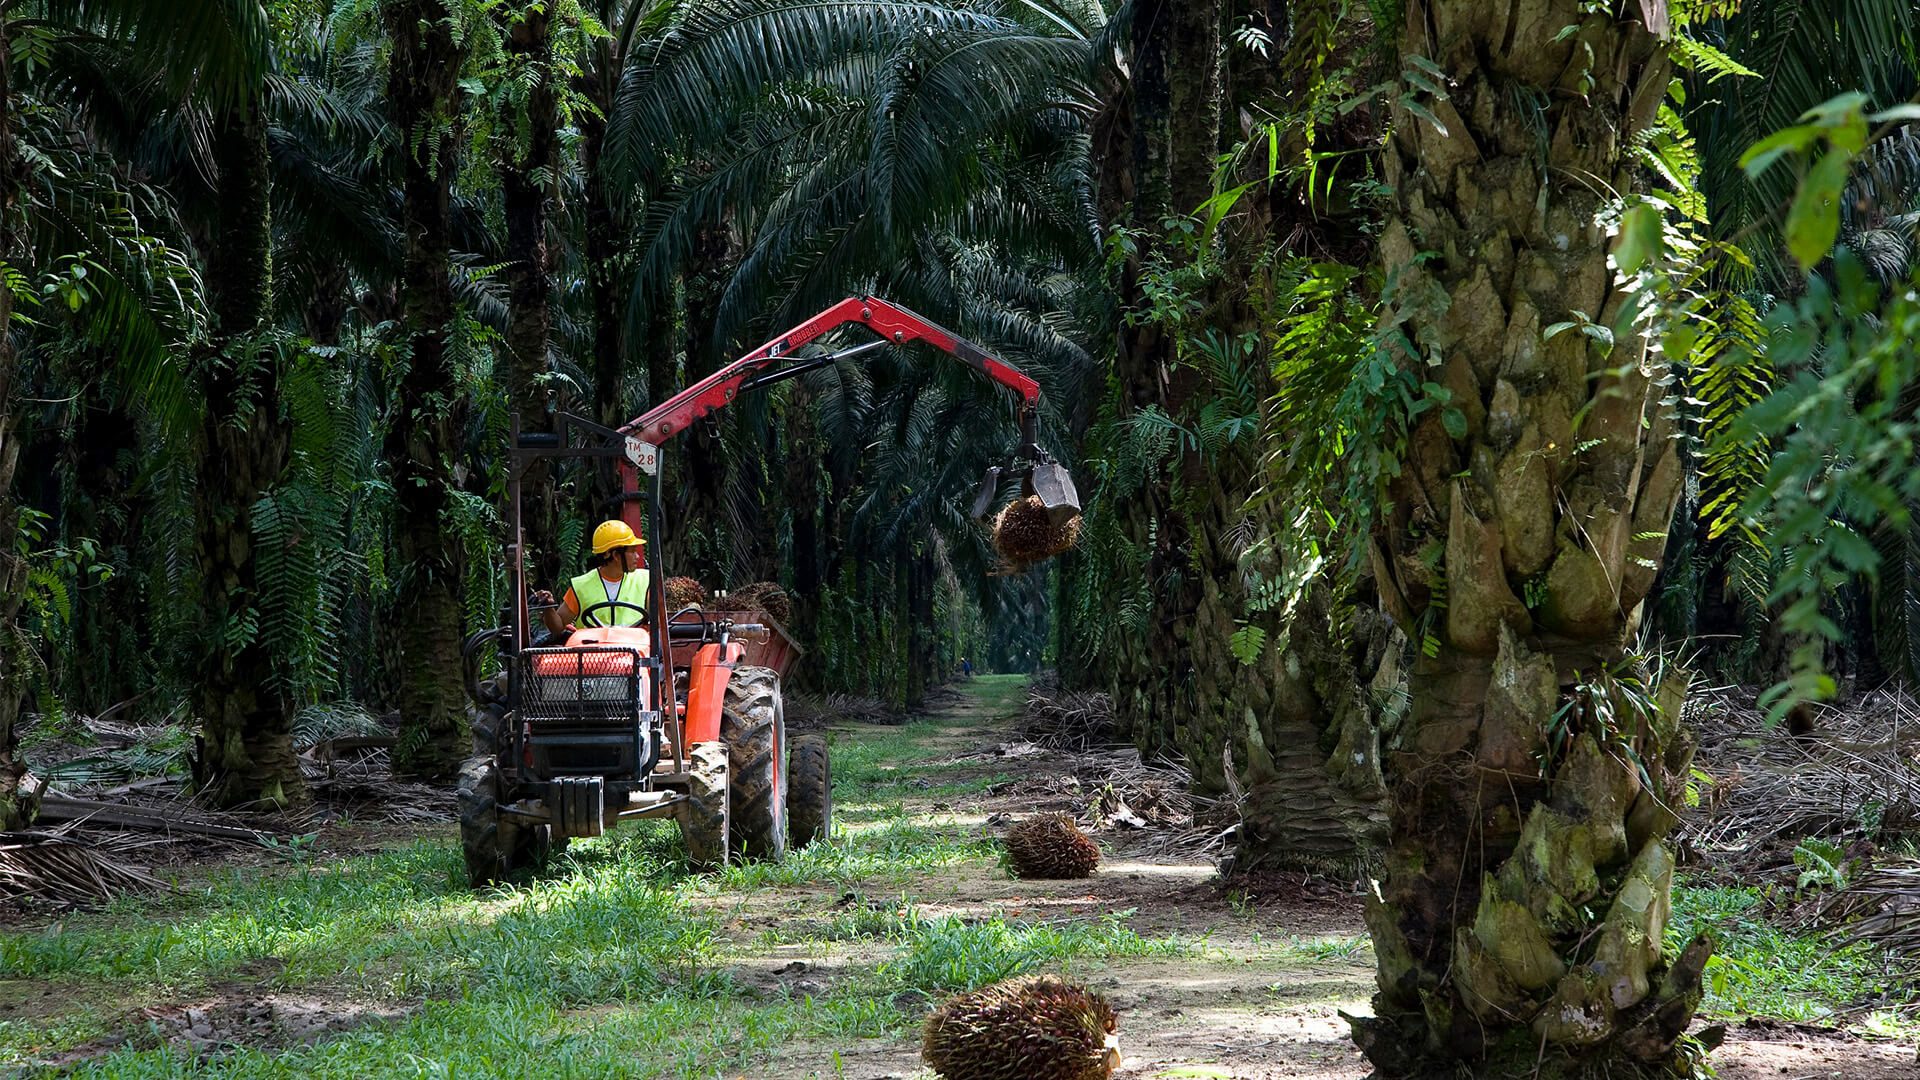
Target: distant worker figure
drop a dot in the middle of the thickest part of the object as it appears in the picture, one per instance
(966, 667)
(616, 575)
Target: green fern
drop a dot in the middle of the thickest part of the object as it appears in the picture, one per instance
(1247, 643)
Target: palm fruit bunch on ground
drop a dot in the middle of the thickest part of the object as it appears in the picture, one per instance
(1039, 1027)
(1050, 846)
(764, 596)
(684, 592)
(1025, 534)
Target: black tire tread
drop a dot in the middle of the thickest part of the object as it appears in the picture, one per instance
(751, 724)
(703, 816)
(809, 791)
(486, 843)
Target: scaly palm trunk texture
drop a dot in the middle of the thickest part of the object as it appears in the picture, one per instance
(1290, 723)
(245, 753)
(423, 436)
(529, 276)
(16, 807)
(1523, 911)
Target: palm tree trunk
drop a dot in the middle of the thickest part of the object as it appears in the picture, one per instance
(701, 543)
(423, 436)
(17, 802)
(1292, 725)
(245, 750)
(529, 276)
(922, 635)
(604, 246)
(1522, 916)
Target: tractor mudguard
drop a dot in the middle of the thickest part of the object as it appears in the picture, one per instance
(707, 679)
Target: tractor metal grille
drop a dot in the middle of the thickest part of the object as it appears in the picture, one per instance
(585, 684)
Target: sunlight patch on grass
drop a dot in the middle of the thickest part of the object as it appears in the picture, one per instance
(1760, 969)
(943, 955)
(997, 695)
(24, 1040)
(393, 925)
(525, 1033)
(897, 850)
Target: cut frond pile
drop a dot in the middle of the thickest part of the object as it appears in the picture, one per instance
(810, 711)
(1076, 720)
(56, 868)
(1761, 787)
(1882, 906)
(359, 780)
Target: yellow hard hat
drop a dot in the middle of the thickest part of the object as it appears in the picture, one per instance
(614, 534)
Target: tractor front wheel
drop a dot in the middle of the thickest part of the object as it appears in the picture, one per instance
(703, 816)
(753, 725)
(809, 792)
(493, 846)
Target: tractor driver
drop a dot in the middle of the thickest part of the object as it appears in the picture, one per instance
(616, 575)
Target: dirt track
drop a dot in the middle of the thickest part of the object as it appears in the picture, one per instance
(1260, 997)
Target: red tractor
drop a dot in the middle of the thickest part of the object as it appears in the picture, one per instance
(679, 716)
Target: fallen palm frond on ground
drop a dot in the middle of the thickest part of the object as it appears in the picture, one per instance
(1760, 786)
(1882, 906)
(1061, 719)
(1117, 792)
(806, 711)
(356, 776)
(56, 868)
(1810, 806)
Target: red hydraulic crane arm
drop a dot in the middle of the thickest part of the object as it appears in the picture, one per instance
(890, 321)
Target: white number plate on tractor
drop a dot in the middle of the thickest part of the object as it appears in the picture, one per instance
(644, 455)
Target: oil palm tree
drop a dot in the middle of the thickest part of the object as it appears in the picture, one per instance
(278, 197)
(216, 50)
(423, 89)
(1521, 918)
(1802, 54)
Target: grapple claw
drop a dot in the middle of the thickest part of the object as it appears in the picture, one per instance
(1051, 482)
(983, 498)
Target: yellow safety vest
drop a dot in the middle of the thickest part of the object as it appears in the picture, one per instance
(590, 589)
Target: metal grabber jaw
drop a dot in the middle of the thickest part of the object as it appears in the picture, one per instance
(1051, 481)
(1038, 474)
(983, 498)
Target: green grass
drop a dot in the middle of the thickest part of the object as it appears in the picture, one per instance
(525, 1034)
(995, 695)
(612, 963)
(945, 955)
(1761, 969)
(876, 770)
(615, 962)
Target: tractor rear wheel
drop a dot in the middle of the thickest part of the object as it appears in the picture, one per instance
(809, 792)
(753, 724)
(703, 816)
(487, 722)
(493, 846)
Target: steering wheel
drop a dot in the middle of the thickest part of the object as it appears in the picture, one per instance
(591, 608)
